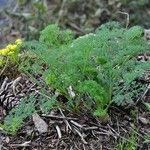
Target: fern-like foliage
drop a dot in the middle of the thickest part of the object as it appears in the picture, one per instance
(17, 115)
(93, 64)
(52, 37)
(27, 106)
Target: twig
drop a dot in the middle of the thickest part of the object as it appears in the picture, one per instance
(76, 124)
(61, 10)
(82, 138)
(25, 144)
(3, 148)
(103, 133)
(118, 126)
(67, 123)
(76, 27)
(59, 117)
(42, 94)
(58, 132)
(147, 89)
(90, 128)
(45, 4)
(124, 130)
(128, 17)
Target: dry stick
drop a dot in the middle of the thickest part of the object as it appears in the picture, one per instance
(75, 146)
(147, 89)
(82, 126)
(67, 123)
(103, 130)
(59, 117)
(104, 133)
(82, 138)
(84, 147)
(3, 148)
(128, 17)
(61, 10)
(90, 128)
(118, 125)
(45, 4)
(94, 135)
(25, 144)
(124, 130)
(76, 124)
(76, 28)
(42, 94)
(58, 132)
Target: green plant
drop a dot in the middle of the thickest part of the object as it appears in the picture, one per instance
(17, 115)
(47, 103)
(147, 139)
(100, 67)
(147, 106)
(129, 143)
(27, 106)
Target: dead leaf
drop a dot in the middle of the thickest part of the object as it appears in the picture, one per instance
(71, 92)
(39, 123)
(7, 139)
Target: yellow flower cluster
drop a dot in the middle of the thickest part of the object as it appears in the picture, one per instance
(9, 50)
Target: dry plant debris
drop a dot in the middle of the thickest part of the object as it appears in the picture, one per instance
(74, 131)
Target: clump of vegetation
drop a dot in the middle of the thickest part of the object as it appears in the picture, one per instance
(27, 106)
(129, 142)
(99, 67)
(14, 120)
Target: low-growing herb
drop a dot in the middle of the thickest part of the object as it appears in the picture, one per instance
(100, 67)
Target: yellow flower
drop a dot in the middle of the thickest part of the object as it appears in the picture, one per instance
(11, 53)
(11, 47)
(18, 41)
(4, 51)
(9, 50)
